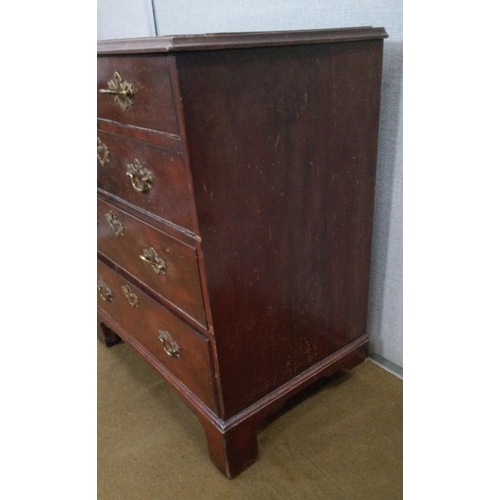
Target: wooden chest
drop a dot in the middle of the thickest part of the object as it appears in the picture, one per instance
(236, 178)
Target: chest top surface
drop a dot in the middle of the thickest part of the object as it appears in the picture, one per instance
(216, 41)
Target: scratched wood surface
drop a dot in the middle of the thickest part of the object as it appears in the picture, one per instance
(283, 148)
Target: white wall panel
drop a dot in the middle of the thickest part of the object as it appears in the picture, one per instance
(124, 19)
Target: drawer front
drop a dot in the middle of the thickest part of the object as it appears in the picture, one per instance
(143, 89)
(162, 262)
(182, 351)
(147, 176)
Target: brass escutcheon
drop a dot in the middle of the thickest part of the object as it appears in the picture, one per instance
(131, 296)
(140, 176)
(121, 90)
(170, 346)
(150, 256)
(102, 152)
(115, 225)
(104, 290)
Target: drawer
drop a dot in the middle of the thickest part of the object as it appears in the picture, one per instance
(165, 264)
(147, 99)
(183, 352)
(147, 176)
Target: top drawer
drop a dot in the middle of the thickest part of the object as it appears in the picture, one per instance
(139, 92)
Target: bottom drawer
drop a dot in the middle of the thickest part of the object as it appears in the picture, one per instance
(178, 348)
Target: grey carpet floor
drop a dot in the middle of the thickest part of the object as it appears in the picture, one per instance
(342, 439)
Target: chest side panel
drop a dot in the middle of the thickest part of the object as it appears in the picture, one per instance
(282, 145)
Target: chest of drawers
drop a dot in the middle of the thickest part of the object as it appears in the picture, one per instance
(236, 178)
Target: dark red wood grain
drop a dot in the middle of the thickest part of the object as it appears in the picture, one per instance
(154, 137)
(144, 322)
(180, 285)
(283, 148)
(220, 41)
(153, 106)
(170, 196)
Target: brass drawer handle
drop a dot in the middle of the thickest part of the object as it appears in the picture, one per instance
(131, 296)
(122, 91)
(102, 152)
(170, 346)
(150, 256)
(104, 290)
(140, 176)
(115, 225)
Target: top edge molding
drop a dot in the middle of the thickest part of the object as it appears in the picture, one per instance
(218, 41)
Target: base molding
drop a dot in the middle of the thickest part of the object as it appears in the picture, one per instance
(232, 443)
(344, 359)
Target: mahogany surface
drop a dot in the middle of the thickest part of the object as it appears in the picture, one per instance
(284, 187)
(171, 185)
(144, 320)
(153, 107)
(264, 149)
(180, 283)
